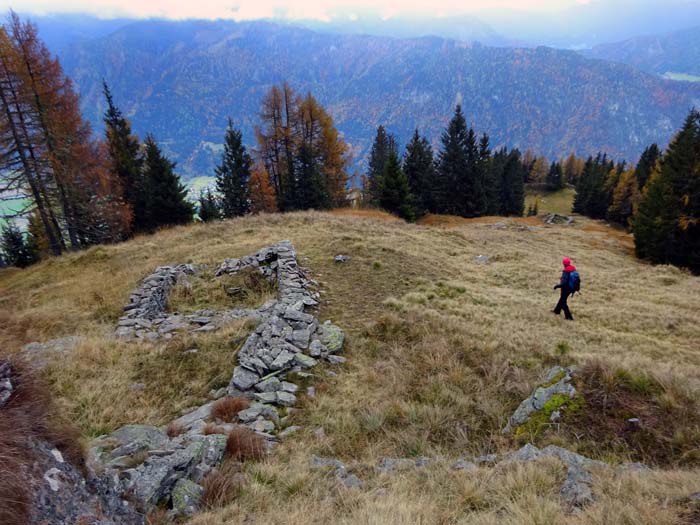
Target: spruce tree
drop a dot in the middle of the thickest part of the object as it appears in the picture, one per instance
(208, 206)
(452, 166)
(310, 190)
(166, 197)
(16, 249)
(384, 145)
(395, 194)
(555, 177)
(125, 156)
(419, 167)
(667, 224)
(513, 185)
(233, 174)
(647, 163)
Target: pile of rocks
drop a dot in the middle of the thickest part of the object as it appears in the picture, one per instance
(555, 218)
(155, 469)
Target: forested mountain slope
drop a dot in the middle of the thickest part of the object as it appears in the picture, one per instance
(180, 80)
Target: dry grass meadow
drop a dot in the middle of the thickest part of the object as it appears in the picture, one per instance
(441, 350)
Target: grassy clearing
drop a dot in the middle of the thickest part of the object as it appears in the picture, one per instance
(551, 202)
(246, 289)
(441, 350)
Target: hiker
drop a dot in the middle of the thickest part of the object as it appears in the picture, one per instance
(569, 284)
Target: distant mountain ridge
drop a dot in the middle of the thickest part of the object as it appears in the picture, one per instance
(677, 52)
(180, 80)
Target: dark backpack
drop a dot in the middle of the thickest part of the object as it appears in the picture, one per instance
(574, 282)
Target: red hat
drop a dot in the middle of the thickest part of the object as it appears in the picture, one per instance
(566, 261)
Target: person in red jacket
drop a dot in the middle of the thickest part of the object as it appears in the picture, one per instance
(565, 291)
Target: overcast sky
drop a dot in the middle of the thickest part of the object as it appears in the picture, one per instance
(292, 9)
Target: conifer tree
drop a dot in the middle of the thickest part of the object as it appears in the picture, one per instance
(647, 163)
(15, 248)
(166, 197)
(512, 184)
(383, 146)
(395, 194)
(625, 198)
(233, 174)
(555, 177)
(125, 156)
(453, 166)
(208, 206)
(419, 167)
(667, 224)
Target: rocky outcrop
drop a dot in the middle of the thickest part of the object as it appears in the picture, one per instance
(555, 388)
(61, 492)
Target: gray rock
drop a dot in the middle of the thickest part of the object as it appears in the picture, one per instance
(311, 392)
(286, 399)
(541, 395)
(341, 258)
(289, 387)
(527, 453)
(151, 437)
(283, 360)
(482, 259)
(153, 483)
(244, 379)
(389, 465)
(576, 489)
(316, 348)
(351, 481)
(305, 361)
(5, 382)
(256, 410)
(269, 385)
(198, 414)
(487, 459)
(186, 497)
(266, 397)
(463, 464)
(331, 336)
(262, 425)
(336, 359)
(320, 462)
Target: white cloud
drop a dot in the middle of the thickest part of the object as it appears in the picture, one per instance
(252, 9)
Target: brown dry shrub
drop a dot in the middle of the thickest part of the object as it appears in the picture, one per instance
(243, 444)
(211, 428)
(174, 429)
(227, 408)
(222, 486)
(28, 416)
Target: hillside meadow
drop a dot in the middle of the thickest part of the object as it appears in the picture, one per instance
(441, 349)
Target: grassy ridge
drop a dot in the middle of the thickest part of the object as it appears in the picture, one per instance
(440, 351)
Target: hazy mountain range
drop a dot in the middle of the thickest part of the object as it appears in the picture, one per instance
(180, 80)
(677, 52)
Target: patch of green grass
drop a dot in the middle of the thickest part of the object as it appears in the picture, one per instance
(559, 202)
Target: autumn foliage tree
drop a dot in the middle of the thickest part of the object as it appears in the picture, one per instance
(302, 152)
(47, 152)
(262, 195)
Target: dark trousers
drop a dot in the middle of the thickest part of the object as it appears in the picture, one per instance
(561, 305)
